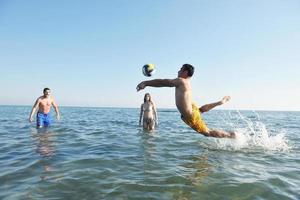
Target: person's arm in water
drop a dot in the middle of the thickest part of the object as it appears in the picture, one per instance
(56, 109)
(34, 108)
(158, 83)
(141, 115)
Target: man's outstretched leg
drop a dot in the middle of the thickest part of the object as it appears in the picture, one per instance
(210, 106)
(219, 134)
(216, 133)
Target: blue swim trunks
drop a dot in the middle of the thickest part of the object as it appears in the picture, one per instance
(42, 119)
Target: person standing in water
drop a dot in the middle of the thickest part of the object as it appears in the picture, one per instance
(148, 113)
(190, 113)
(43, 105)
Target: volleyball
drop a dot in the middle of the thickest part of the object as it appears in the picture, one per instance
(148, 69)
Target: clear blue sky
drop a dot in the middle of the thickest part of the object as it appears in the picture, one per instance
(90, 53)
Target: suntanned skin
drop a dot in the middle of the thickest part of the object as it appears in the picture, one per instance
(183, 98)
(43, 105)
(148, 111)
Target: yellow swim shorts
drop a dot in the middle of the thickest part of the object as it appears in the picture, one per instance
(195, 121)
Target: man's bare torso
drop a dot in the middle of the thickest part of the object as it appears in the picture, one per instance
(45, 104)
(183, 97)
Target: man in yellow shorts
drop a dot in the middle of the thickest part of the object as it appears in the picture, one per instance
(190, 113)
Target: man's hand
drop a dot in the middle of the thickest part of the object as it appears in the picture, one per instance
(225, 99)
(30, 119)
(58, 117)
(140, 86)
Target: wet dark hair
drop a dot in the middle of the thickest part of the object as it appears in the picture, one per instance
(145, 99)
(189, 68)
(45, 89)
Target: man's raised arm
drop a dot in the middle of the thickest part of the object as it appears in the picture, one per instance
(158, 83)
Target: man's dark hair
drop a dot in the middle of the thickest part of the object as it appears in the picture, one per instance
(45, 89)
(189, 68)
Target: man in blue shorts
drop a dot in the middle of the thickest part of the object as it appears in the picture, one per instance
(43, 105)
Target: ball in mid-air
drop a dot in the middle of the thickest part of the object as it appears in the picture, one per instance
(148, 70)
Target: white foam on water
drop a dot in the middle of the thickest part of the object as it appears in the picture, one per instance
(252, 134)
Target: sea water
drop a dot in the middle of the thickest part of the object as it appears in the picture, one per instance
(102, 153)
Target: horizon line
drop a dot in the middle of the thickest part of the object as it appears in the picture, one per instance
(77, 106)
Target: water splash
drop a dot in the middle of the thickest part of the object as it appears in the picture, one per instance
(252, 134)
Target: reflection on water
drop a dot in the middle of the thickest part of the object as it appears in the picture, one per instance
(193, 168)
(44, 145)
(200, 169)
(147, 143)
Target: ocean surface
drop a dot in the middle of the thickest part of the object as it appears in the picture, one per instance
(102, 153)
